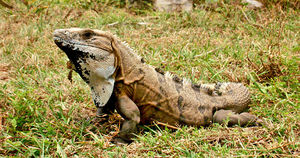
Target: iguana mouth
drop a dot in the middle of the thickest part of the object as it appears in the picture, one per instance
(76, 50)
(70, 48)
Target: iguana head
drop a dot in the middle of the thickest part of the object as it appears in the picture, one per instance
(91, 54)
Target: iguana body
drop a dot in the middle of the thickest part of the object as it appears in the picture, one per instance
(141, 93)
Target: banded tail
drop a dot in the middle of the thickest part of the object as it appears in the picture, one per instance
(236, 95)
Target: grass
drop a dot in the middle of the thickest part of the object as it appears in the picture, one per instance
(42, 114)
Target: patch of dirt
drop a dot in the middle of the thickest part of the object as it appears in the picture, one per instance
(1, 122)
(267, 69)
(4, 72)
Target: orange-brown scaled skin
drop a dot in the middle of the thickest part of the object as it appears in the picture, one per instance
(168, 99)
(142, 93)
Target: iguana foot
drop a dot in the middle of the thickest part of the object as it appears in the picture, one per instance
(231, 118)
(101, 116)
(120, 141)
(101, 112)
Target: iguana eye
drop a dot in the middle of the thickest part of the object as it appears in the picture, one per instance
(87, 34)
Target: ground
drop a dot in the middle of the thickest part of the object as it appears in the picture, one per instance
(43, 114)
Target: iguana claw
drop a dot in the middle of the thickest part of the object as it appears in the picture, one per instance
(120, 141)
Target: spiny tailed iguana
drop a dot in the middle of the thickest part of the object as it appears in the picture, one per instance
(140, 93)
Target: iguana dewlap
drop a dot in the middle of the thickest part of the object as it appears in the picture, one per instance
(141, 93)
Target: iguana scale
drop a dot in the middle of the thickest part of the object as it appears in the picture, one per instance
(140, 93)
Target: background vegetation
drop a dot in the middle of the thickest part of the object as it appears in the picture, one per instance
(43, 114)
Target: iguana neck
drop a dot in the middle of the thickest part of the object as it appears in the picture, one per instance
(128, 63)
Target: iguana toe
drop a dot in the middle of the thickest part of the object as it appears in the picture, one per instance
(260, 122)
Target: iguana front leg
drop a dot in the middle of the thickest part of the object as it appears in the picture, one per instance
(130, 112)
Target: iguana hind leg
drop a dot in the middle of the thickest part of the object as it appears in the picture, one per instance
(130, 112)
(242, 119)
